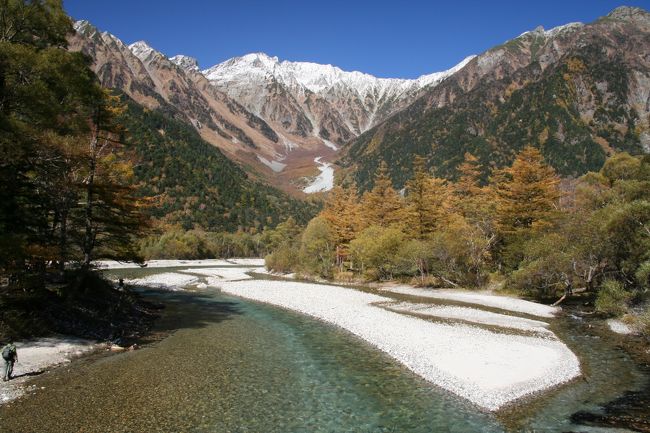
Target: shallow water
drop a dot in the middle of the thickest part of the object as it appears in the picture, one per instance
(235, 366)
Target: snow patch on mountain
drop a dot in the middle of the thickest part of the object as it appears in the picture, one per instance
(276, 166)
(329, 144)
(539, 30)
(315, 77)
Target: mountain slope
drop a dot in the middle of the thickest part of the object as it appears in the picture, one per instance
(154, 81)
(311, 99)
(274, 118)
(195, 184)
(578, 92)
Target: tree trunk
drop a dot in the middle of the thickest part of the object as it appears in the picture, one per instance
(88, 237)
(63, 243)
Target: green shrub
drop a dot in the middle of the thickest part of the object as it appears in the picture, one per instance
(612, 298)
(284, 259)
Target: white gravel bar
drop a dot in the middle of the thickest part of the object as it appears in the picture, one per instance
(168, 281)
(481, 298)
(36, 356)
(112, 264)
(488, 368)
(247, 262)
(222, 274)
(473, 315)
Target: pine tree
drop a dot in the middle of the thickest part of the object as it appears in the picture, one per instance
(474, 202)
(382, 206)
(527, 193)
(428, 201)
(343, 214)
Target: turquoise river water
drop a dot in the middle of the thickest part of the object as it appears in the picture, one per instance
(230, 365)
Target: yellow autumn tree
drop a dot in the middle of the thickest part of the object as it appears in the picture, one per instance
(428, 201)
(527, 193)
(382, 206)
(343, 214)
(472, 200)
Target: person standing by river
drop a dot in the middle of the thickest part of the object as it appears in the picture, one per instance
(10, 356)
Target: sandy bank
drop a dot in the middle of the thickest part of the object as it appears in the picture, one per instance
(488, 368)
(37, 356)
(473, 315)
(480, 298)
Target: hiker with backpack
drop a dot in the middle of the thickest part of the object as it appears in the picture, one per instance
(10, 356)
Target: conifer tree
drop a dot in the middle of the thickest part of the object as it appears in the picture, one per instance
(382, 206)
(474, 202)
(343, 214)
(428, 201)
(527, 193)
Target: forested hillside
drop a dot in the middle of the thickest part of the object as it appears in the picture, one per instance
(578, 93)
(194, 184)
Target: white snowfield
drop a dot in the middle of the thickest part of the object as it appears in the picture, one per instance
(487, 368)
(473, 315)
(478, 298)
(317, 78)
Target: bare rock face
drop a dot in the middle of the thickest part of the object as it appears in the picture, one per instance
(319, 100)
(273, 117)
(176, 85)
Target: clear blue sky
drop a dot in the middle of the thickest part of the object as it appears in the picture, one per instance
(388, 39)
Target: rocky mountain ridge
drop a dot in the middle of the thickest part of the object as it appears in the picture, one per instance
(275, 118)
(578, 92)
(312, 99)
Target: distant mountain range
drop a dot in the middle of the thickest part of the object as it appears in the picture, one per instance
(578, 91)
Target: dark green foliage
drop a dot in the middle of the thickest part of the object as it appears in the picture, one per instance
(194, 183)
(498, 118)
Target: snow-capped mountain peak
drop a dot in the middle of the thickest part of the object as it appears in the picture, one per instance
(313, 76)
(328, 101)
(539, 30)
(143, 51)
(185, 62)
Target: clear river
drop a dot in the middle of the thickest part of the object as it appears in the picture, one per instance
(230, 365)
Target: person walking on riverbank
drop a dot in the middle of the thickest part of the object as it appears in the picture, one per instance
(10, 356)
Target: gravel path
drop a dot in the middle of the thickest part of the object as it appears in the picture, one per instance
(480, 298)
(36, 356)
(488, 368)
(473, 315)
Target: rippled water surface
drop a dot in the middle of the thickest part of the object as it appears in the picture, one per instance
(235, 366)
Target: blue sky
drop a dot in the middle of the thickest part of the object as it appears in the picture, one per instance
(402, 39)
